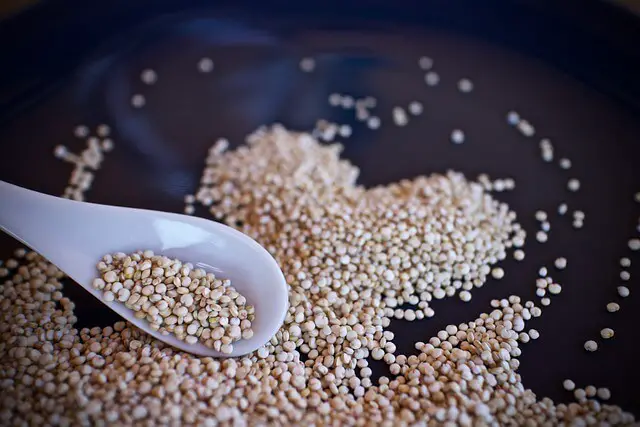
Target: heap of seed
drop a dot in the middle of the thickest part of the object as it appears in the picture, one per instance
(352, 257)
(177, 299)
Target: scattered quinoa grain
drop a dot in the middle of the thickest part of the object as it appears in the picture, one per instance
(81, 131)
(148, 76)
(590, 345)
(138, 101)
(541, 236)
(568, 385)
(606, 333)
(562, 209)
(373, 122)
(565, 163)
(400, 117)
(513, 118)
(612, 307)
(465, 85)
(634, 244)
(603, 393)
(432, 78)
(518, 254)
(555, 288)
(573, 184)
(415, 108)
(425, 63)
(60, 151)
(541, 216)
(623, 291)
(307, 64)
(205, 65)
(345, 131)
(457, 136)
(103, 131)
(561, 263)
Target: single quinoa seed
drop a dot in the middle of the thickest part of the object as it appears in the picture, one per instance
(415, 108)
(603, 393)
(542, 236)
(457, 136)
(573, 184)
(541, 216)
(560, 263)
(345, 131)
(465, 85)
(60, 151)
(513, 118)
(373, 122)
(205, 65)
(400, 117)
(138, 101)
(103, 131)
(335, 99)
(562, 209)
(623, 291)
(432, 78)
(606, 333)
(612, 307)
(81, 131)
(591, 346)
(149, 76)
(497, 273)
(425, 63)
(307, 64)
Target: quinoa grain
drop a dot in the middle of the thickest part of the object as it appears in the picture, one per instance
(300, 200)
(210, 307)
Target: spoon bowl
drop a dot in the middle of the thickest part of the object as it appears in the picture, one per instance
(76, 235)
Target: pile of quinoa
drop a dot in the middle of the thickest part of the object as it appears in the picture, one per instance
(352, 258)
(176, 298)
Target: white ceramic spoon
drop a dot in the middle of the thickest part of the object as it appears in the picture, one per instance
(76, 235)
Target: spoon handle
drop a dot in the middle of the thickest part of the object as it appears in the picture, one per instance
(75, 235)
(25, 214)
(57, 228)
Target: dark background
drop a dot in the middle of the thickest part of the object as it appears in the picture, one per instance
(572, 72)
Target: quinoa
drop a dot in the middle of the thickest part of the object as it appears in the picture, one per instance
(176, 298)
(351, 256)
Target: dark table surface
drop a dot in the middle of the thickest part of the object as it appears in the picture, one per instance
(572, 73)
